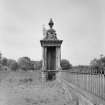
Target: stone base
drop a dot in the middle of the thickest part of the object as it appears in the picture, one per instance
(43, 76)
(50, 76)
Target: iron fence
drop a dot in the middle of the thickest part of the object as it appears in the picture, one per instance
(91, 82)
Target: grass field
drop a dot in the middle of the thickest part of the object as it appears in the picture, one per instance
(25, 88)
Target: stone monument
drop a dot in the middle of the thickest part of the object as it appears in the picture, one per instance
(51, 47)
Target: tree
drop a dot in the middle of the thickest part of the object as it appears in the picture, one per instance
(0, 55)
(65, 64)
(98, 64)
(25, 63)
(4, 61)
(0, 60)
(12, 64)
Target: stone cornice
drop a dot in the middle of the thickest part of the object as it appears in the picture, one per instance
(45, 43)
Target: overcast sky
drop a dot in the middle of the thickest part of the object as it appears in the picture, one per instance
(79, 23)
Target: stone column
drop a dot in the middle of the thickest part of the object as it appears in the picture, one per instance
(42, 59)
(58, 59)
(43, 66)
(44, 63)
(45, 58)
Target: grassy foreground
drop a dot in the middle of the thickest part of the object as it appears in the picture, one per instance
(26, 88)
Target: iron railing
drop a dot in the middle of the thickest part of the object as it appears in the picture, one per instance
(91, 82)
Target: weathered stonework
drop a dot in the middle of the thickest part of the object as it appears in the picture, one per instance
(51, 53)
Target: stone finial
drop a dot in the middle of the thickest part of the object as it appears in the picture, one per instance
(51, 23)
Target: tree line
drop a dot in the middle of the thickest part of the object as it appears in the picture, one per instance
(25, 63)
(96, 66)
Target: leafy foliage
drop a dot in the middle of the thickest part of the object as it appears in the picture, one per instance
(98, 64)
(65, 64)
(12, 64)
(25, 63)
(0, 60)
(4, 61)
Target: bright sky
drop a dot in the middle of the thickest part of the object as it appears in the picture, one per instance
(80, 23)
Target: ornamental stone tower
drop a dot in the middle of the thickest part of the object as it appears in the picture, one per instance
(51, 46)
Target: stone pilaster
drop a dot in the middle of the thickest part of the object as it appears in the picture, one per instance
(58, 66)
(44, 57)
(58, 58)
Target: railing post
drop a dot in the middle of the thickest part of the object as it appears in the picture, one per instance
(103, 82)
(101, 85)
